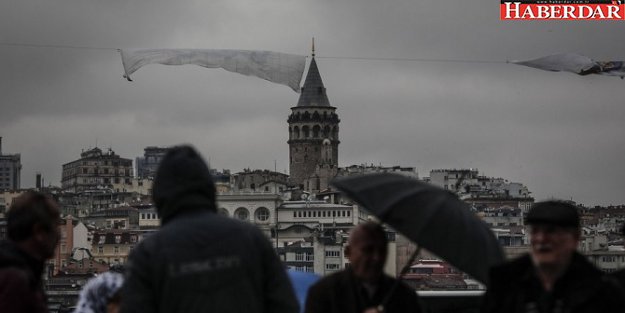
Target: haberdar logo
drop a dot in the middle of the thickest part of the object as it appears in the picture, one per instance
(562, 10)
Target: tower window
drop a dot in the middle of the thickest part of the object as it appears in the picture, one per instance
(316, 130)
(306, 131)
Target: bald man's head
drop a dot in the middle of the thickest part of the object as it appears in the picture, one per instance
(366, 250)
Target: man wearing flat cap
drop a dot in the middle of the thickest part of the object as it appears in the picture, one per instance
(553, 277)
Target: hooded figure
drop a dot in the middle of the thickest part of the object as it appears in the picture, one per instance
(200, 261)
(183, 184)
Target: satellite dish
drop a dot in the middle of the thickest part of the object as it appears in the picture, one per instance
(304, 196)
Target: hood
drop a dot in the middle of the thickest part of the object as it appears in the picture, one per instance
(183, 183)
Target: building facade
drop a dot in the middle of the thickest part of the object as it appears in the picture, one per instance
(125, 217)
(10, 170)
(148, 164)
(96, 169)
(258, 208)
(113, 246)
(259, 180)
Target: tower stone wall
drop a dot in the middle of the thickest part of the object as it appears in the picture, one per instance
(313, 131)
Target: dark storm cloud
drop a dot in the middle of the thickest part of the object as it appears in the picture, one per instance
(558, 133)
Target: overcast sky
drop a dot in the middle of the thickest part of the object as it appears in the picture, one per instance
(560, 134)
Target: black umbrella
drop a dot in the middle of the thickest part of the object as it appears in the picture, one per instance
(432, 217)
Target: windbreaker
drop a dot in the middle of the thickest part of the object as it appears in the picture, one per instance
(200, 261)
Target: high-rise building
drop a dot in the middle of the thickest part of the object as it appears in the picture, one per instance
(96, 170)
(10, 170)
(148, 164)
(313, 133)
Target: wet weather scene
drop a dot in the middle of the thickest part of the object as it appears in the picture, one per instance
(308, 156)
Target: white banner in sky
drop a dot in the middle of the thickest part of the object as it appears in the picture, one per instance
(276, 67)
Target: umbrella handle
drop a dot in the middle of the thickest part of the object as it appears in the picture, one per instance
(404, 270)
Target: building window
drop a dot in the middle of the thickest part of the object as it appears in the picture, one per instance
(242, 214)
(262, 214)
(299, 256)
(116, 249)
(333, 254)
(332, 266)
(100, 250)
(310, 256)
(223, 212)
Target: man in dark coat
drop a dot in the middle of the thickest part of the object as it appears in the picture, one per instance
(362, 287)
(200, 261)
(553, 277)
(32, 231)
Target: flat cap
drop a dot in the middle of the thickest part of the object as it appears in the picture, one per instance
(558, 213)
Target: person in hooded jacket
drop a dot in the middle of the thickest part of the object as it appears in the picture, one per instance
(199, 260)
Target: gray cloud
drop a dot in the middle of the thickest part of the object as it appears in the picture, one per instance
(558, 133)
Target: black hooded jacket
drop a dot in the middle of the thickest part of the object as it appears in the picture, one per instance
(200, 261)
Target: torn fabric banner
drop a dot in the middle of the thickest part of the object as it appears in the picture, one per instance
(276, 67)
(575, 63)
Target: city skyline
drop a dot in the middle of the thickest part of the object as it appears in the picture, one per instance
(433, 90)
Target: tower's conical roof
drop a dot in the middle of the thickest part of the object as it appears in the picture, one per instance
(313, 92)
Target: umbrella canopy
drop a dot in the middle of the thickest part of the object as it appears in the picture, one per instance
(432, 217)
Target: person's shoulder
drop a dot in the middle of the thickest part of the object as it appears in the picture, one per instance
(582, 266)
(511, 270)
(619, 276)
(16, 278)
(519, 264)
(401, 285)
(334, 279)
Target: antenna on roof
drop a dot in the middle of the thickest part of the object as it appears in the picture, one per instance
(313, 47)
